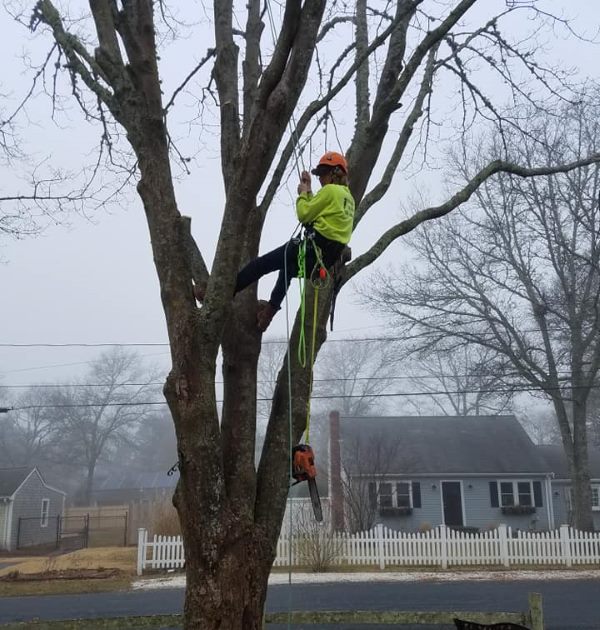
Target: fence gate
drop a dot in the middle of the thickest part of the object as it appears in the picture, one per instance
(73, 532)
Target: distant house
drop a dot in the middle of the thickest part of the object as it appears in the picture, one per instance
(30, 509)
(562, 501)
(416, 472)
(121, 487)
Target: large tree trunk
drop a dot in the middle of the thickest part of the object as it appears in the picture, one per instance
(574, 439)
(229, 591)
(580, 469)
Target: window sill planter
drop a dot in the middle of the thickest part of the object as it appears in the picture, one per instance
(392, 511)
(518, 509)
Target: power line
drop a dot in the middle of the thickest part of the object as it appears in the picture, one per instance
(46, 367)
(138, 344)
(262, 382)
(316, 397)
(81, 344)
(134, 344)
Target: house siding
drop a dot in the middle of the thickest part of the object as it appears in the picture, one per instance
(27, 506)
(560, 501)
(477, 509)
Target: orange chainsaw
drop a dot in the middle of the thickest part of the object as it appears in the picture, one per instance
(304, 469)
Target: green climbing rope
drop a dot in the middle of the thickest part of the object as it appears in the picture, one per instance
(320, 279)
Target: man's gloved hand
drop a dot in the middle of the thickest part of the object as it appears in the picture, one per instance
(305, 185)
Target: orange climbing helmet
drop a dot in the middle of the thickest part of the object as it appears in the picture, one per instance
(331, 159)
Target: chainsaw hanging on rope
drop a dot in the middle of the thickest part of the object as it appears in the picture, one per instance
(304, 469)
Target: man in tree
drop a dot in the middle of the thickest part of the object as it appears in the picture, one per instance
(327, 218)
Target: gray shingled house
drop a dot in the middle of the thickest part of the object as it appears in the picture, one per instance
(29, 509)
(413, 473)
(556, 459)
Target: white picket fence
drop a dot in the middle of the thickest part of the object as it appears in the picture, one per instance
(384, 547)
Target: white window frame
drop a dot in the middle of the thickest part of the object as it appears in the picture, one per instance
(515, 492)
(393, 483)
(596, 493)
(45, 513)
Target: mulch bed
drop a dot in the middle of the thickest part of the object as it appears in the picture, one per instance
(64, 574)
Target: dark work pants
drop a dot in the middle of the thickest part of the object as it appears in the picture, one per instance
(274, 261)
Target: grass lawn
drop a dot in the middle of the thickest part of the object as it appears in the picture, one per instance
(121, 558)
(119, 623)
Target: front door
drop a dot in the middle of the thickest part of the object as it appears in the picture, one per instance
(452, 501)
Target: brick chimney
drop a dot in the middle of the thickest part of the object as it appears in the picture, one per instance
(336, 491)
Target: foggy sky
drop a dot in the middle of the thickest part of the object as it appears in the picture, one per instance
(93, 280)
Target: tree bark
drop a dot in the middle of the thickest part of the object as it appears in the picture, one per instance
(227, 592)
(579, 467)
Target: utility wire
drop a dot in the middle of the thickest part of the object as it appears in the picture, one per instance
(135, 344)
(316, 397)
(166, 344)
(263, 382)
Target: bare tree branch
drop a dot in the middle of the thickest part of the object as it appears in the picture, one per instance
(498, 166)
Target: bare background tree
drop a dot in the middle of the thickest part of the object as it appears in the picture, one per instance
(33, 433)
(458, 381)
(387, 62)
(352, 374)
(539, 421)
(366, 459)
(94, 418)
(151, 445)
(518, 274)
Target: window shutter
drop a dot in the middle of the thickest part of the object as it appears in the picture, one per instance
(372, 495)
(494, 493)
(416, 494)
(537, 494)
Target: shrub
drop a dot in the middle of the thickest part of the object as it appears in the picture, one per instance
(164, 520)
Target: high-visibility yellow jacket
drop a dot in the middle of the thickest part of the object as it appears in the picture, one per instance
(330, 212)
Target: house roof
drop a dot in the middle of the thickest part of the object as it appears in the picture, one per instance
(131, 480)
(555, 457)
(12, 478)
(410, 445)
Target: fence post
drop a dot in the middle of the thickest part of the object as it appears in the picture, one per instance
(380, 547)
(58, 528)
(502, 534)
(536, 612)
(86, 532)
(565, 545)
(141, 549)
(125, 532)
(444, 546)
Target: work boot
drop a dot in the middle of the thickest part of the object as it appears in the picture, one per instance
(264, 315)
(200, 292)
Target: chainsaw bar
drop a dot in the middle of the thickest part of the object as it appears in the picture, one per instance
(315, 499)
